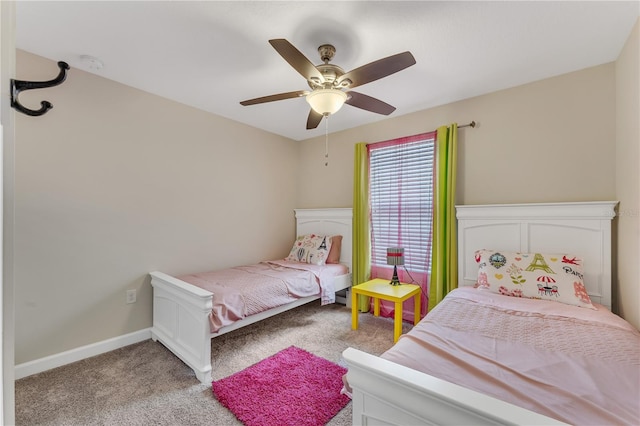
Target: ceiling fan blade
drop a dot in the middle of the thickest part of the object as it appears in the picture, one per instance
(368, 103)
(314, 119)
(278, 97)
(377, 69)
(297, 60)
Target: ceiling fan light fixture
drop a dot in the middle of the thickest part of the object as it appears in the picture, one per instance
(326, 101)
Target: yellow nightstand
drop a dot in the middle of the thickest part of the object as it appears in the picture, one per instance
(381, 289)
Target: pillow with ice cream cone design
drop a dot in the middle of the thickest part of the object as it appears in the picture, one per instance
(557, 277)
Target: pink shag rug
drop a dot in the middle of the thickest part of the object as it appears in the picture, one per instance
(292, 387)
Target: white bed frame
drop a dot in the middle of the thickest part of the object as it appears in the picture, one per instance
(386, 393)
(181, 310)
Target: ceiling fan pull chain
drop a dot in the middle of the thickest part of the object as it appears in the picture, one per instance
(326, 141)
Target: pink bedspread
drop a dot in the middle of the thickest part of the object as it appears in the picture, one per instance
(573, 364)
(246, 290)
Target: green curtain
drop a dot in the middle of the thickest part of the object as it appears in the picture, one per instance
(444, 251)
(361, 262)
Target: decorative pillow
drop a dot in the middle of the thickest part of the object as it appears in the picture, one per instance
(310, 248)
(336, 248)
(557, 277)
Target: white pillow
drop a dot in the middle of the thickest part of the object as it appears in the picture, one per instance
(557, 277)
(312, 248)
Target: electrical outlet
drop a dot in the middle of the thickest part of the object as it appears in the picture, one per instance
(131, 296)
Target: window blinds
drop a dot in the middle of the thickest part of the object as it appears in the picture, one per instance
(401, 197)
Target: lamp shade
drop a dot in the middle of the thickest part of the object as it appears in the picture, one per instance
(395, 256)
(326, 101)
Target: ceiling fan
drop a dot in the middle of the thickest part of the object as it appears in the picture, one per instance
(330, 85)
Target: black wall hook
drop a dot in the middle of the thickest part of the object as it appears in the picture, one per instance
(18, 86)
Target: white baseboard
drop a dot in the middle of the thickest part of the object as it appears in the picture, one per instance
(83, 352)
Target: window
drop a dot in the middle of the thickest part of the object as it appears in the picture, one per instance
(401, 205)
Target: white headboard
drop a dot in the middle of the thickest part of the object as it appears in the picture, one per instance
(581, 228)
(335, 221)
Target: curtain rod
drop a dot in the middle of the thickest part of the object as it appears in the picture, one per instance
(472, 124)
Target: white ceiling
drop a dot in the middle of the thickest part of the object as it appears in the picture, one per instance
(212, 54)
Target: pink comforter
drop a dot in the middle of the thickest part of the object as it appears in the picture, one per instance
(246, 290)
(573, 364)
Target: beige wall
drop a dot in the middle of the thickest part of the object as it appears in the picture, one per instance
(628, 178)
(7, 72)
(552, 140)
(114, 183)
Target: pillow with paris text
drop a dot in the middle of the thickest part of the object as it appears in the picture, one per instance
(557, 277)
(311, 248)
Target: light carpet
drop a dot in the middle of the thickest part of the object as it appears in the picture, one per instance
(145, 384)
(290, 388)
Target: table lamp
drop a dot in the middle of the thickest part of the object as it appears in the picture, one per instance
(395, 257)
